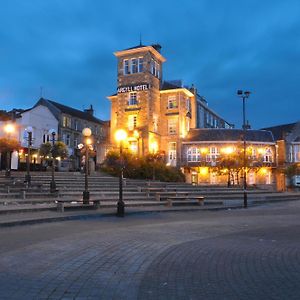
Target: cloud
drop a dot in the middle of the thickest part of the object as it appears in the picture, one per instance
(220, 46)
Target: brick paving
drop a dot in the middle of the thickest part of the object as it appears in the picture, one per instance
(237, 254)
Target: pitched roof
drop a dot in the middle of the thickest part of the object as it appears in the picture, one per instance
(216, 134)
(169, 85)
(72, 111)
(135, 47)
(280, 131)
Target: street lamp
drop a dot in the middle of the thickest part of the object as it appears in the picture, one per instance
(121, 136)
(29, 140)
(86, 132)
(244, 95)
(52, 132)
(9, 129)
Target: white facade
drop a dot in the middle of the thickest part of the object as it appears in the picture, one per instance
(41, 119)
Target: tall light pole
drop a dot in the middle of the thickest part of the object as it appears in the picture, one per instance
(29, 140)
(244, 95)
(52, 132)
(121, 136)
(86, 132)
(9, 129)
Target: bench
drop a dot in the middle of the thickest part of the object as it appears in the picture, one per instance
(164, 195)
(177, 200)
(61, 204)
(149, 190)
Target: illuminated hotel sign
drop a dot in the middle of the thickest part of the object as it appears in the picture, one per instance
(133, 88)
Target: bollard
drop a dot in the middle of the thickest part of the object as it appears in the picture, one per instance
(60, 206)
(23, 195)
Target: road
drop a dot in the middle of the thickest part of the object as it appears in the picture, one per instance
(229, 254)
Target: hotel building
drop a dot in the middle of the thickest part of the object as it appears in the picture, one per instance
(174, 120)
(156, 114)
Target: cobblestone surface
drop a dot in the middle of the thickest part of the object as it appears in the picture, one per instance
(238, 254)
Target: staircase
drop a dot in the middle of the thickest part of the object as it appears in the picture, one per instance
(14, 195)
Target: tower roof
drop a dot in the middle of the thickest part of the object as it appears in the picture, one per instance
(154, 49)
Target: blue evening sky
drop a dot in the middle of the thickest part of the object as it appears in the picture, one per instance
(66, 46)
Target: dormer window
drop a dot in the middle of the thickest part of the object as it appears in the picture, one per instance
(132, 98)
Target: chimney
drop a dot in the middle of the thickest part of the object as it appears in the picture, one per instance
(157, 47)
(90, 110)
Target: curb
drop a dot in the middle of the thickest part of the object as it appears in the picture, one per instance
(109, 214)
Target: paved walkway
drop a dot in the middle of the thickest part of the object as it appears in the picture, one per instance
(228, 254)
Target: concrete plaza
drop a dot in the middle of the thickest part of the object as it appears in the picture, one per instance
(227, 254)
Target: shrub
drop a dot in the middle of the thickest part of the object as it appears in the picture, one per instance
(148, 167)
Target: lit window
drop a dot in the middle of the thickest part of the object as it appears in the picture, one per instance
(134, 66)
(172, 154)
(213, 154)
(268, 156)
(126, 66)
(132, 120)
(188, 104)
(66, 121)
(132, 98)
(172, 126)
(193, 154)
(141, 66)
(172, 102)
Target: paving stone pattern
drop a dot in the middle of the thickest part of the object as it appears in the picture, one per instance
(200, 255)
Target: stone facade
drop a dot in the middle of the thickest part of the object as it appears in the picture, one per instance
(157, 115)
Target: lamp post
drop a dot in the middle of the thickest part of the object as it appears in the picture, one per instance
(244, 95)
(120, 137)
(29, 140)
(86, 132)
(9, 129)
(52, 132)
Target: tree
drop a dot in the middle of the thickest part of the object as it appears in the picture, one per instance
(59, 150)
(8, 145)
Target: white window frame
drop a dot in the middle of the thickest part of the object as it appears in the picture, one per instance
(126, 67)
(134, 65)
(132, 122)
(172, 154)
(268, 155)
(132, 100)
(172, 102)
(213, 154)
(193, 154)
(172, 126)
(140, 64)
